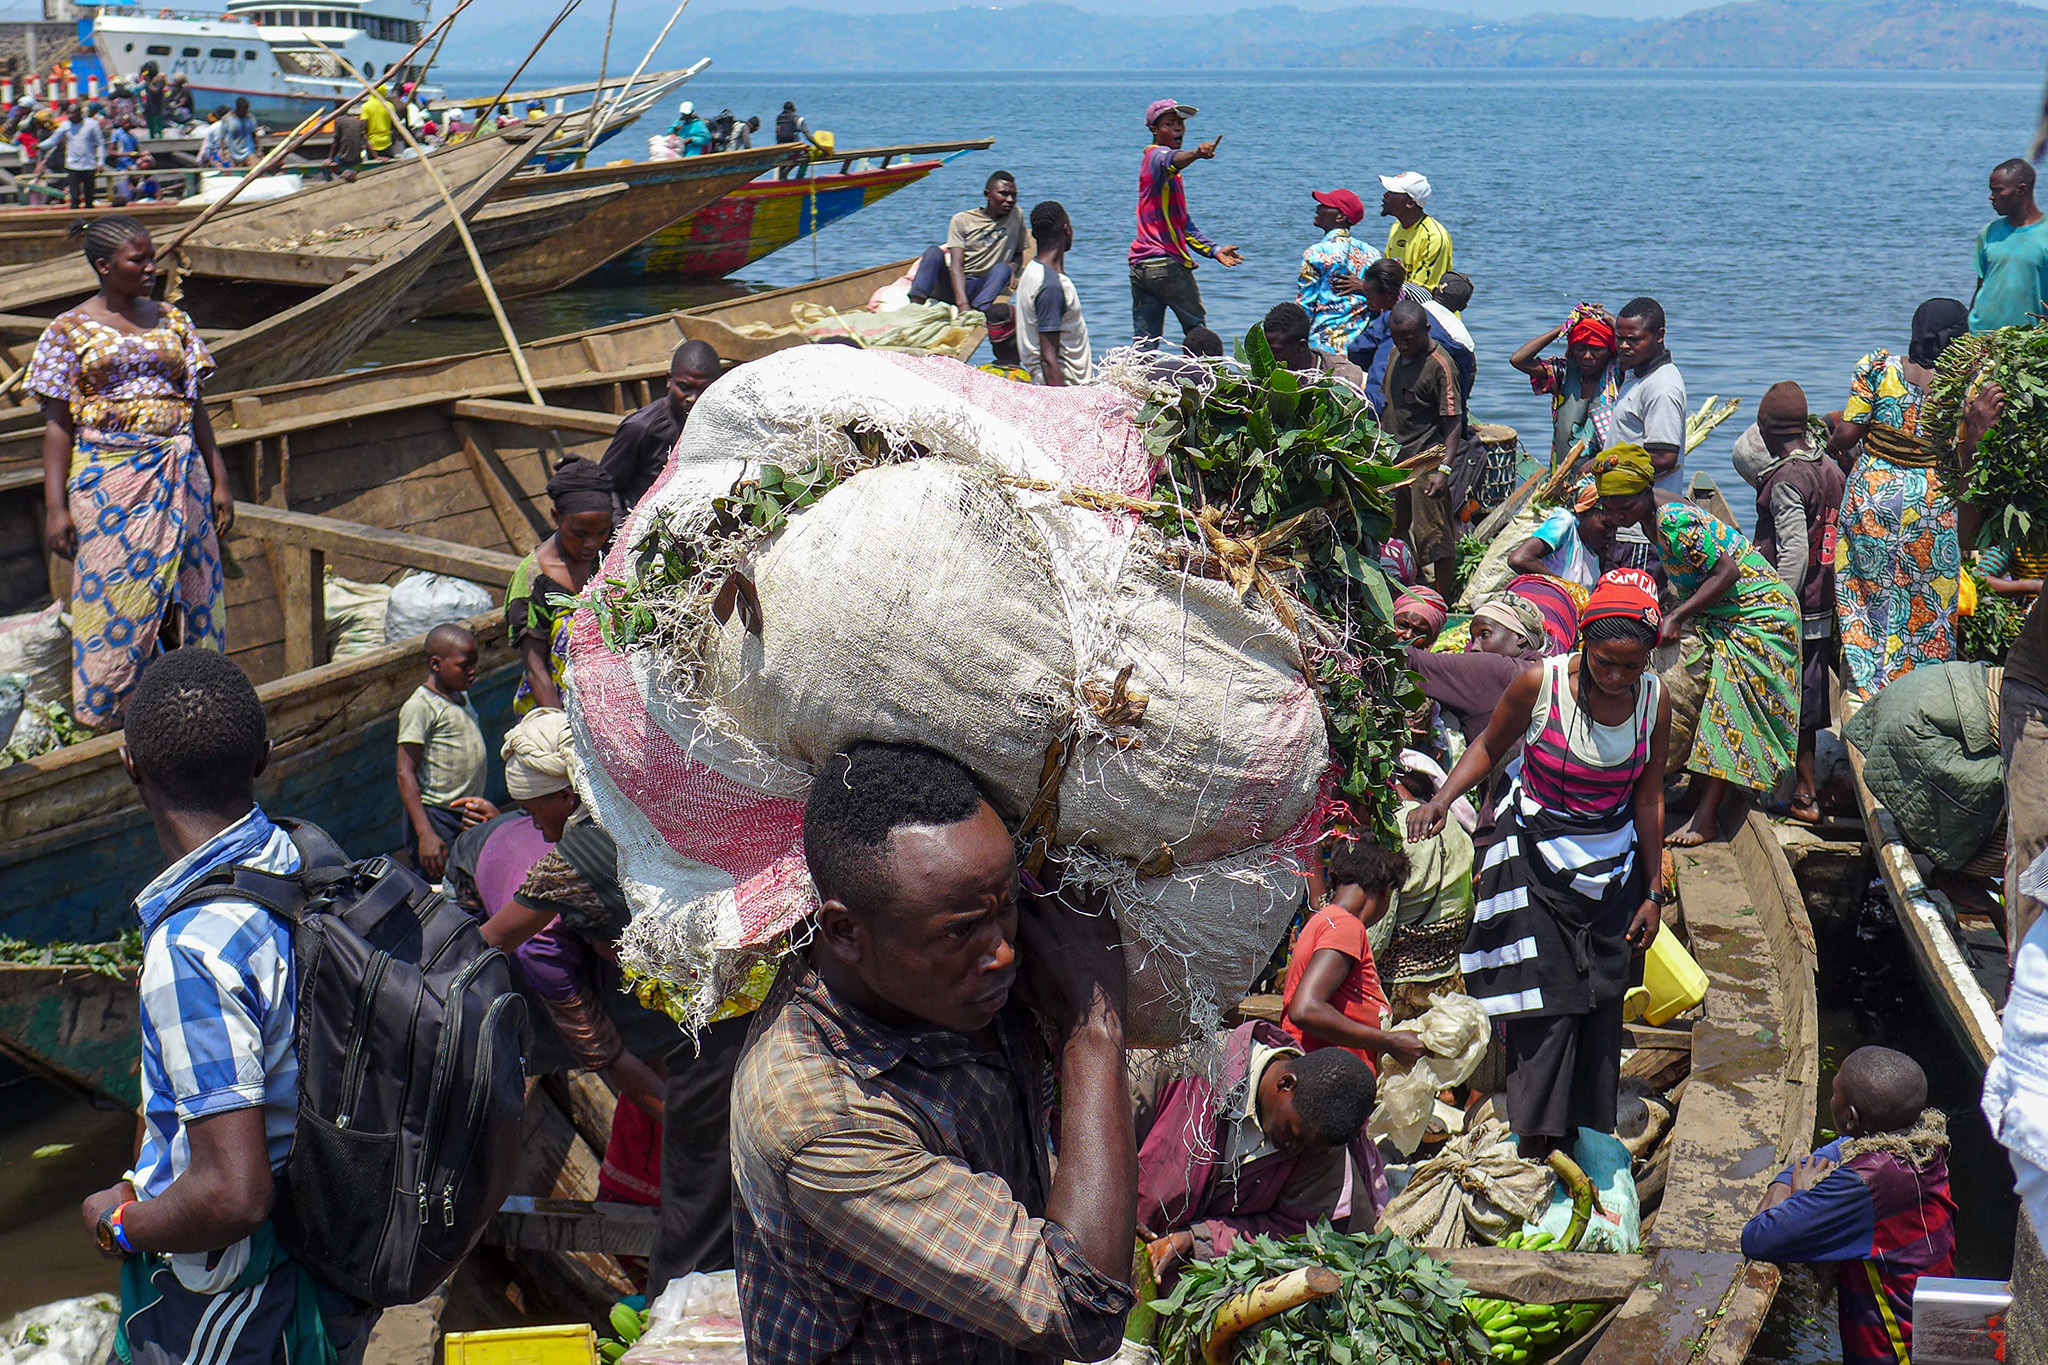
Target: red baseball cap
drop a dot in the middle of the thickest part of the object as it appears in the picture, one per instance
(1344, 201)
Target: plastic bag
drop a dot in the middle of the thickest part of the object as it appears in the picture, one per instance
(1617, 1224)
(696, 1321)
(67, 1332)
(1475, 1191)
(422, 601)
(355, 616)
(1455, 1030)
(38, 644)
(13, 696)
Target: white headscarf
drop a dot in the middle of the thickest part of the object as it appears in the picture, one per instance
(539, 756)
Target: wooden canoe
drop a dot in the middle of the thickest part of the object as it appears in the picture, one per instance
(768, 215)
(1743, 1069)
(297, 285)
(1958, 964)
(655, 195)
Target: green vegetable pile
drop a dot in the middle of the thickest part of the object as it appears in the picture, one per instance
(1520, 1332)
(1988, 632)
(60, 729)
(2006, 477)
(119, 958)
(1295, 466)
(1395, 1305)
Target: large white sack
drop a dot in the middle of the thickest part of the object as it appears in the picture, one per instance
(38, 644)
(67, 1332)
(945, 598)
(421, 601)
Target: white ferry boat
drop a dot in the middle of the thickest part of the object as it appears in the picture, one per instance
(259, 49)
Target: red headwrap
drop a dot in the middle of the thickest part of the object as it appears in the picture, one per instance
(1623, 592)
(1587, 330)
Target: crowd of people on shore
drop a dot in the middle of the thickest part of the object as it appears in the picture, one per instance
(866, 1137)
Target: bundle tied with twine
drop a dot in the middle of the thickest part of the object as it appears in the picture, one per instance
(849, 546)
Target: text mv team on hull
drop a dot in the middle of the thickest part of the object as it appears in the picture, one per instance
(261, 50)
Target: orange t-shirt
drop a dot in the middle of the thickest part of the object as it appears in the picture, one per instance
(1359, 996)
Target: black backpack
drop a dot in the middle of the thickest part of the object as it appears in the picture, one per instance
(785, 126)
(412, 1071)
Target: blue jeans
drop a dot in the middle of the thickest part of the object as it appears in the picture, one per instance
(1157, 284)
(934, 281)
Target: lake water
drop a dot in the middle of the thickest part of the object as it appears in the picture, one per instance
(1788, 221)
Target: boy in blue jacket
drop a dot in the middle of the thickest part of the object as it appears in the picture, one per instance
(1875, 1201)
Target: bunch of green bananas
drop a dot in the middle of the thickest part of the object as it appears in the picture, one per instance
(629, 1323)
(1521, 1332)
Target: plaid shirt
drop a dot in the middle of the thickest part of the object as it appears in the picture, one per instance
(889, 1190)
(217, 1004)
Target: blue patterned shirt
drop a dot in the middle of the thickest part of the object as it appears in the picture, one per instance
(217, 1005)
(1334, 319)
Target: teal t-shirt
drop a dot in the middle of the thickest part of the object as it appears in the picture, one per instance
(2012, 265)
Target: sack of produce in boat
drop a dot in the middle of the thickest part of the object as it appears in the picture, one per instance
(356, 614)
(37, 644)
(422, 601)
(848, 546)
(1473, 1192)
(67, 1332)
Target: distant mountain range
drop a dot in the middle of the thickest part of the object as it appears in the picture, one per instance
(1934, 35)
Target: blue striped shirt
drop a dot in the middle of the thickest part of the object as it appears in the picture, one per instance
(217, 1005)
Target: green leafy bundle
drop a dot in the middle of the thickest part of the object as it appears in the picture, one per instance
(1296, 465)
(1394, 1306)
(118, 958)
(2008, 479)
(1988, 632)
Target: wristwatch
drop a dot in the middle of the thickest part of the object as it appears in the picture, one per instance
(1657, 897)
(108, 1231)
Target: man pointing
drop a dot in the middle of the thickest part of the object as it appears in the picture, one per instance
(1163, 253)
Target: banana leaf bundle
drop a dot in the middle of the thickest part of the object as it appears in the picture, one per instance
(2006, 479)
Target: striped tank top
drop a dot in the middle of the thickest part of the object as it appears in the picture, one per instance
(1572, 764)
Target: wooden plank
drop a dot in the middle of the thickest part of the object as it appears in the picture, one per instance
(375, 543)
(531, 1224)
(272, 267)
(1676, 1311)
(527, 415)
(1545, 1276)
(304, 602)
(517, 517)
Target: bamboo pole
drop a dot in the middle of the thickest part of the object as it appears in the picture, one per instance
(604, 61)
(596, 126)
(476, 260)
(567, 10)
(298, 135)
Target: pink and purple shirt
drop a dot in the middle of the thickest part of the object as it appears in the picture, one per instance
(1164, 228)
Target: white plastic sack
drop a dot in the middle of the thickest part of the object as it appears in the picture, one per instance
(1493, 571)
(939, 598)
(38, 644)
(67, 1332)
(13, 697)
(355, 616)
(696, 1321)
(422, 601)
(1455, 1031)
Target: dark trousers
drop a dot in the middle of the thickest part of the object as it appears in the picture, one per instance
(447, 823)
(934, 281)
(1563, 1071)
(81, 187)
(694, 1228)
(1157, 284)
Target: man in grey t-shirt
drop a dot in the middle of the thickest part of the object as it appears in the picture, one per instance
(1650, 411)
(986, 249)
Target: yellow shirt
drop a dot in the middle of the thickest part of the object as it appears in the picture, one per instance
(377, 123)
(1424, 249)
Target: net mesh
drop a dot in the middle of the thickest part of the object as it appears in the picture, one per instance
(977, 581)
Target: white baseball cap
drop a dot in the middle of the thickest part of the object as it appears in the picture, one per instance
(688, 108)
(1414, 184)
